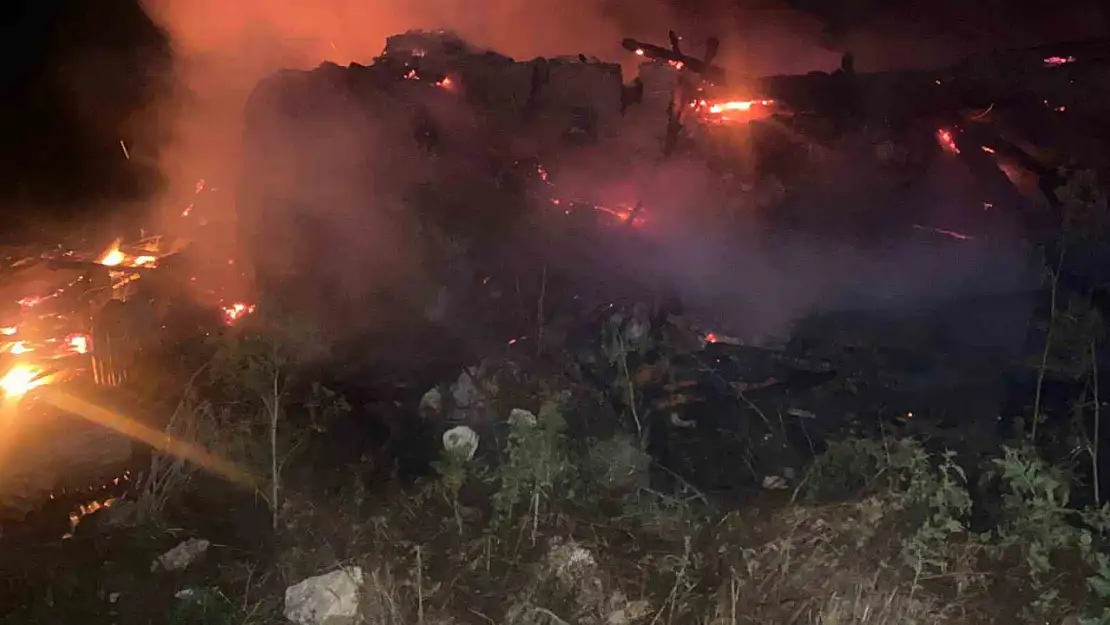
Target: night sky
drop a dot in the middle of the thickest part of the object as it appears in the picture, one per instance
(78, 81)
(84, 75)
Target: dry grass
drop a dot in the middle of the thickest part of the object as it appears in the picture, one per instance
(822, 565)
(193, 421)
(869, 603)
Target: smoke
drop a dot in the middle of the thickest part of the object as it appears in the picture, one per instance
(848, 243)
(223, 50)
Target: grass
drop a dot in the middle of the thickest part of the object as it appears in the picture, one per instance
(547, 528)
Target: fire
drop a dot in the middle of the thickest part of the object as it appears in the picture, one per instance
(85, 510)
(22, 379)
(947, 141)
(729, 110)
(113, 256)
(736, 105)
(78, 343)
(237, 311)
(20, 347)
(446, 83)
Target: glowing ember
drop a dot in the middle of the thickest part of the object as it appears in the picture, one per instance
(1056, 61)
(85, 510)
(10, 331)
(737, 105)
(639, 51)
(947, 141)
(237, 311)
(711, 338)
(20, 380)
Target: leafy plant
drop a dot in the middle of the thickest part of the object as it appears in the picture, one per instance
(257, 370)
(537, 462)
(937, 494)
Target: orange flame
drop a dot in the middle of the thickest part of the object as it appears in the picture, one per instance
(112, 256)
(237, 311)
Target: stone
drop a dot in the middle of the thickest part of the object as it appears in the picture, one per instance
(328, 599)
(181, 556)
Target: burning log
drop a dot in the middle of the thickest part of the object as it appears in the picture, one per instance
(702, 67)
(91, 265)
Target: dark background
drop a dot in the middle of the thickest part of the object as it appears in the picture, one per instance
(80, 77)
(84, 75)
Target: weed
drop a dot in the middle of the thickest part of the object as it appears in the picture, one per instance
(537, 463)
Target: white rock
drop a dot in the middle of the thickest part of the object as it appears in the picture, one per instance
(431, 404)
(523, 417)
(462, 440)
(181, 556)
(775, 482)
(465, 389)
(329, 599)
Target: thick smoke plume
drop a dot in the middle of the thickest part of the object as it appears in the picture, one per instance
(223, 50)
